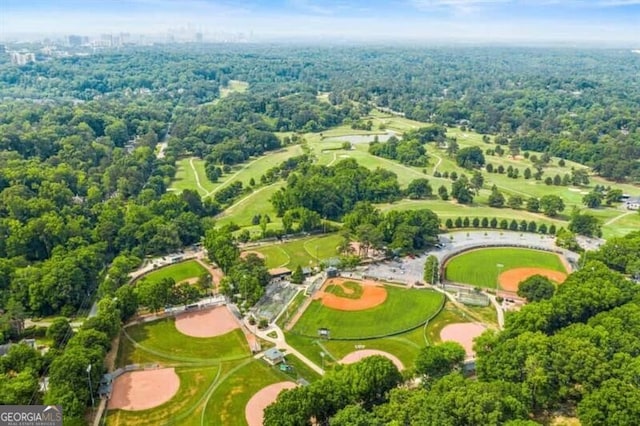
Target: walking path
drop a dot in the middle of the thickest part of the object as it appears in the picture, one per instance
(195, 174)
(435, 168)
(619, 217)
(281, 344)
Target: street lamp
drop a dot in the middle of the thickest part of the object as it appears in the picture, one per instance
(93, 404)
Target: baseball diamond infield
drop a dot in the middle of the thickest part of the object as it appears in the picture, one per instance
(209, 323)
(356, 356)
(511, 279)
(254, 411)
(141, 390)
(373, 294)
(462, 333)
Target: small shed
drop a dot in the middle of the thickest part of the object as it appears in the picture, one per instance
(273, 356)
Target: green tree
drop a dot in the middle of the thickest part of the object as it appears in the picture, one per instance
(443, 193)
(59, 332)
(551, 205)
(593, 199)
(470, 157)
(585, 224)
(439, 360)
(536, 288)
(515, 202)
(419, 189)
(431, 273)
(221, 247)
(496, 199)
(533, 204)
(297, 276)
(461, 190)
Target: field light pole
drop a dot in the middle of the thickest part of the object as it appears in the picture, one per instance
(93, 404)
(322, 356)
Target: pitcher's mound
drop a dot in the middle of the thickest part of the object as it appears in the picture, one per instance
(463, 333)
(209, 323)
(141, 390)
(254, 411)
(509, 280)
(356, 356)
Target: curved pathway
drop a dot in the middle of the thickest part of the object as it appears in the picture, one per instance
(609, 222)
(195, 174)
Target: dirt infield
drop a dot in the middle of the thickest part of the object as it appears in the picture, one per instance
(141, 390)
(208, 323)
(373, 294)
(509, 280)
(254, 411)
(244, 254)
(358, 355)
(463, 333)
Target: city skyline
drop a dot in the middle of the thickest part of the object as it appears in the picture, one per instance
(597, 21)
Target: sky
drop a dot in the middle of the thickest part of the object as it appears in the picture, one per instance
(588, 21)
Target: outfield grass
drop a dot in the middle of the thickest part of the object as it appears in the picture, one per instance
(302, 252)
(162, 339)
(179, 272)
(193, 386)
(292, 308)
(480, 267)
(403, 309)
(228, 401)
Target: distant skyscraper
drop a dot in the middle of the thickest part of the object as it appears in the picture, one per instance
(22, 58)
(75, 40)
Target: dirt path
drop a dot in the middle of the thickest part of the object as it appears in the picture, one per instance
(195, 173)
(619, 217)
(435, 168)
(229, 210)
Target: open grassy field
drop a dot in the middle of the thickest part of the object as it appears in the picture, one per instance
(403, 309)
(234, 86)
(256, 203)
(303, 252)
(162, 339)
(186, 171)
(179, 272)
(482, 267)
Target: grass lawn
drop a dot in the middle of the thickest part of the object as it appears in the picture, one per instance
(162, 339)
(257, 167)
(185, 177)
(227, 403)
(194, 382)
(179, 272)
(242, 212)
(480, 267)
(404, 308)
(303, 252)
